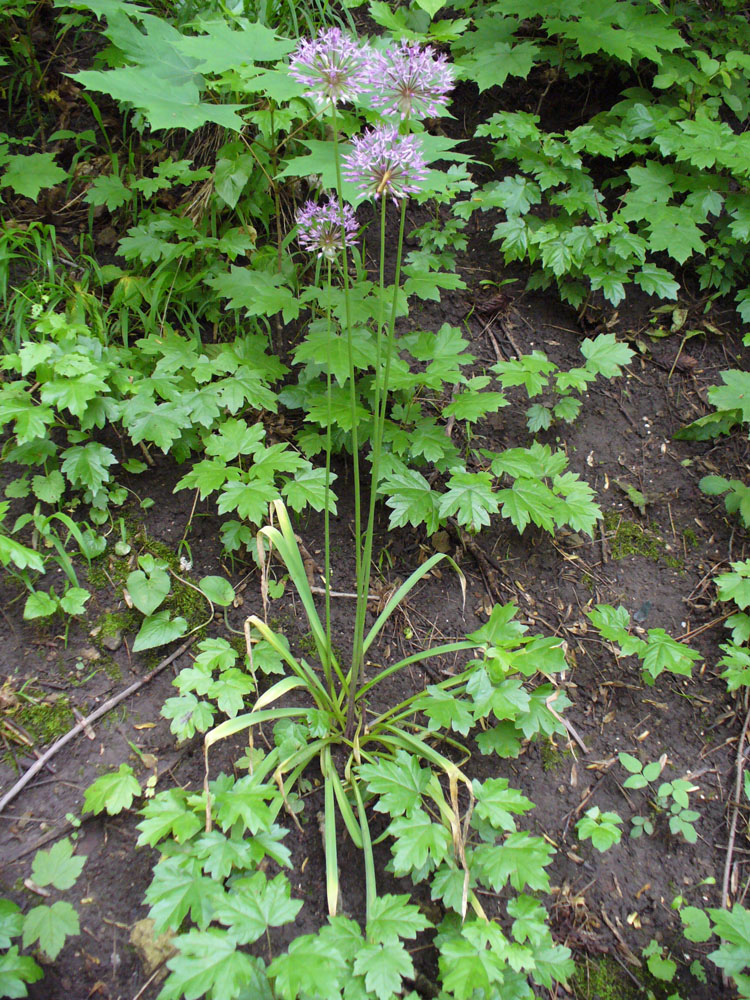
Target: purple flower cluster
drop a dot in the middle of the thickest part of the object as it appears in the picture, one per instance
(406, 80)
(320, 228)
(384, 162)
(333, 67)
(412, 82)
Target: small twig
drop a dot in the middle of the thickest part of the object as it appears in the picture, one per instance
(740, 765)
(704, 628)
(568, 725)
(102, 710)
(150, 979)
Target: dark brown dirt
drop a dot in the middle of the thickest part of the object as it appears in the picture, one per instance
(611, 903)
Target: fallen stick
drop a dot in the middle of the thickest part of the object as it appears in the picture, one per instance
(740, 767)
(79, 728)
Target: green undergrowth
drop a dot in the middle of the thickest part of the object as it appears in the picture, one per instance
(45, 721)
(628, 538)
(601, 979)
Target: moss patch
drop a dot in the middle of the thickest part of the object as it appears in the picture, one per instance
(601, 980)
(628, 538)
(552, 755)
(45, 721)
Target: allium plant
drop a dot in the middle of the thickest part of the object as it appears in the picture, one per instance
(362, 753)
(333, 67)
(384, 162)
(412, 82)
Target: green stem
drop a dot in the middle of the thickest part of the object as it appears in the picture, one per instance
(326, 512)
(350, 351)
(363, 581)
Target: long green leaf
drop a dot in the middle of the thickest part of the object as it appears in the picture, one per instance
(233, 726)
(329, 835)
(284, 540)
(347, 813)
(300, 668)
(278, 690)
(371, 889)
(404, 589)
(423, 654)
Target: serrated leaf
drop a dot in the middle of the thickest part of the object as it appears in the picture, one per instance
(384, 967)
(393, 917)
(58, 866)
(399, 783)
(167, 815)
(665, 653)
(416, 840)
(259, 293)
(605, 356)
(470, 499)
(11, 922)
(178, 888)
(520, 859)
(307, 489)
(27, 175)
(112, 792)
(50, 926)
(411, 499)
(88, 465)
(209, 963)
(48, 488)
(40, 605)
(15, 972)
(254, 904)
(73, 601)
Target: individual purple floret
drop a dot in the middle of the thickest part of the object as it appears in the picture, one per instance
(384, 162)
(413, 82)
(333, 67)
(319, 228)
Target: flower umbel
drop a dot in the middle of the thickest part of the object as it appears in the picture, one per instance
(333, 67)
(319, 228)
(412, 82)
(384, 162)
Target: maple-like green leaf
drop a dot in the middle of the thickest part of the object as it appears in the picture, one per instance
(470, 499)
(11, 922)
(88, 465)
(188, 714)
(16, 971)
(384, 966)
(307, 489)
(416, 840)
(393, 917)
(259, 293)
(249, 499)
(210, 963)
(665, 653)
(50, 926)
(310, 966)
(672, 229)
(230, 690)
(529, 919)
(58, 866)
(40, 605)
(605, 356)
(48, 488)
(220, 855)
(226, 47)
(503, 739)
(398, 783)
(528, 500)
(520, 859)
(411, 499)
(166, 104)
(28, 174)
(497, 803)
(114, 792)
(168, 815)
(178, 888)
(244, 800)
(444, 710)
(253, 904)
(735, 586)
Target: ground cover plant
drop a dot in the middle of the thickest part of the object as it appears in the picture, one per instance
(265, 296)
